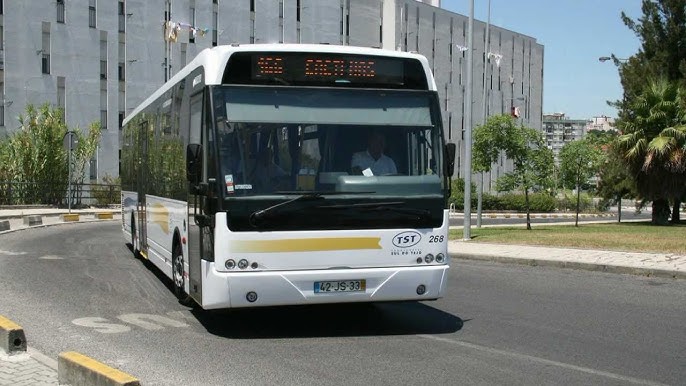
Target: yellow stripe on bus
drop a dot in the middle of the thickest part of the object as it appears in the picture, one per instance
(305, 245)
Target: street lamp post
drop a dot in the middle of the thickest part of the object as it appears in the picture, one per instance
(466, 234)
(480, 192)
(617, 60)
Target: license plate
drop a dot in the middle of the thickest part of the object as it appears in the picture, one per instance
(340, 286)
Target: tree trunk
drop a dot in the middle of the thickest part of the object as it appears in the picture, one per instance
(578, 201)
(676, 217)
(619, 208)
(528, 211)
(660, 215)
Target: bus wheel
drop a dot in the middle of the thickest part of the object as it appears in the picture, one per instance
(178, 277)
(133, 236)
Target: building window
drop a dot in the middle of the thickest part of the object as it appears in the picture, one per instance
(122, 15)
(103, 119)
(91, 13)
(214, 28)
(62, 95)
(252, 5)
(122, 72)
(103, 69)
(121, 119)
(191, 36)
(94, 167)
(60, 11)
(45, 51)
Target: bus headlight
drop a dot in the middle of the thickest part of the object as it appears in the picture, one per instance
(429, 258)
(230, 264)
(243, 264)
(440, 258)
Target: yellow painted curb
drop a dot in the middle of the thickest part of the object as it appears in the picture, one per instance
(12, 336)
(70, 217)
(77, 369)
(104, 216)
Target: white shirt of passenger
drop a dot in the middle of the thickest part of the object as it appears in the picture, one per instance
(383, 166)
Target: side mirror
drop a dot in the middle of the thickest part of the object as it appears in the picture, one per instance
(450, 149)
(193, 163)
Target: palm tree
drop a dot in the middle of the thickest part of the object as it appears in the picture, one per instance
(649, 155)
(668, 151)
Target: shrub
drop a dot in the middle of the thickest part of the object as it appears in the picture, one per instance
(109, 192)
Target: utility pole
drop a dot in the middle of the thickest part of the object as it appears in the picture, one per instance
(468, 128)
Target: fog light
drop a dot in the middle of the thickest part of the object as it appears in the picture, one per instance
(429, 258)
(419, 260)
(254, 265)
(251, 297)
(230, 264)
(440, 258)
(421, 289)
(243, 264)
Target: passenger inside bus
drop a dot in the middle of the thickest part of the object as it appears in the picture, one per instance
(373, 161)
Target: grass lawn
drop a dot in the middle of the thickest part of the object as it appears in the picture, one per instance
(630, 236)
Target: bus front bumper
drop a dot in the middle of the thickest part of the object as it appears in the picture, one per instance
(259, 289)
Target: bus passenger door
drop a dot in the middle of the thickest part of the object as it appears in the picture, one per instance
(143, 133)
(195, 204)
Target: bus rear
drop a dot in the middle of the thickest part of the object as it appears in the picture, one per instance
(322, 177)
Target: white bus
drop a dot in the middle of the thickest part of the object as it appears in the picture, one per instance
(253, 177)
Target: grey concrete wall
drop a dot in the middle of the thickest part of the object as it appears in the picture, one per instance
(75, 54)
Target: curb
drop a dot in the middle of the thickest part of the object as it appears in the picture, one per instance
(574, 265)
(12, 338)
(54, 224)
(77, 369)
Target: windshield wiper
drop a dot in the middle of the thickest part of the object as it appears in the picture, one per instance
(259, 215)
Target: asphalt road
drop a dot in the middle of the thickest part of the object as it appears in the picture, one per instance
(78, 287)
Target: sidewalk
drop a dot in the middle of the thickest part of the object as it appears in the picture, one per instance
(636, 263)
(30, 369)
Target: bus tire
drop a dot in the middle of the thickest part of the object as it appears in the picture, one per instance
(178, 279)
(133, 236)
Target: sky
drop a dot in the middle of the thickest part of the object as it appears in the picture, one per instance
(574, 33)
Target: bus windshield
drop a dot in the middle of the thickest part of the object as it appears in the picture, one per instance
(272, 140)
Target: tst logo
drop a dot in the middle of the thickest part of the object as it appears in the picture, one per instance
(407, 239)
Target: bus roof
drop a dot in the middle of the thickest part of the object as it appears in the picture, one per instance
(213, 60)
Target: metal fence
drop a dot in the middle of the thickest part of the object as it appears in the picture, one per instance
(82, 194)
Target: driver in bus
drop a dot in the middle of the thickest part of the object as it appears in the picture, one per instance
(267, 175)
(373, 159)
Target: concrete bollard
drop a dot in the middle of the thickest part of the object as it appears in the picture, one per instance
(12, 338)
(4, 225)
(33, 220)
(70, 217)
(103, 215)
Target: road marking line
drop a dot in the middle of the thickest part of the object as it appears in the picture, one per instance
(544, 361)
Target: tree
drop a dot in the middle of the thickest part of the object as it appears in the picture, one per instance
(646, 146)
(485, 150)
(35, 157)
(662, 33)
(532, 160)
(579, 161)
(615, 181)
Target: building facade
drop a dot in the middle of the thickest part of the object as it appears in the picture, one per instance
(601, 123)
(560, 130)
(98, 59)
